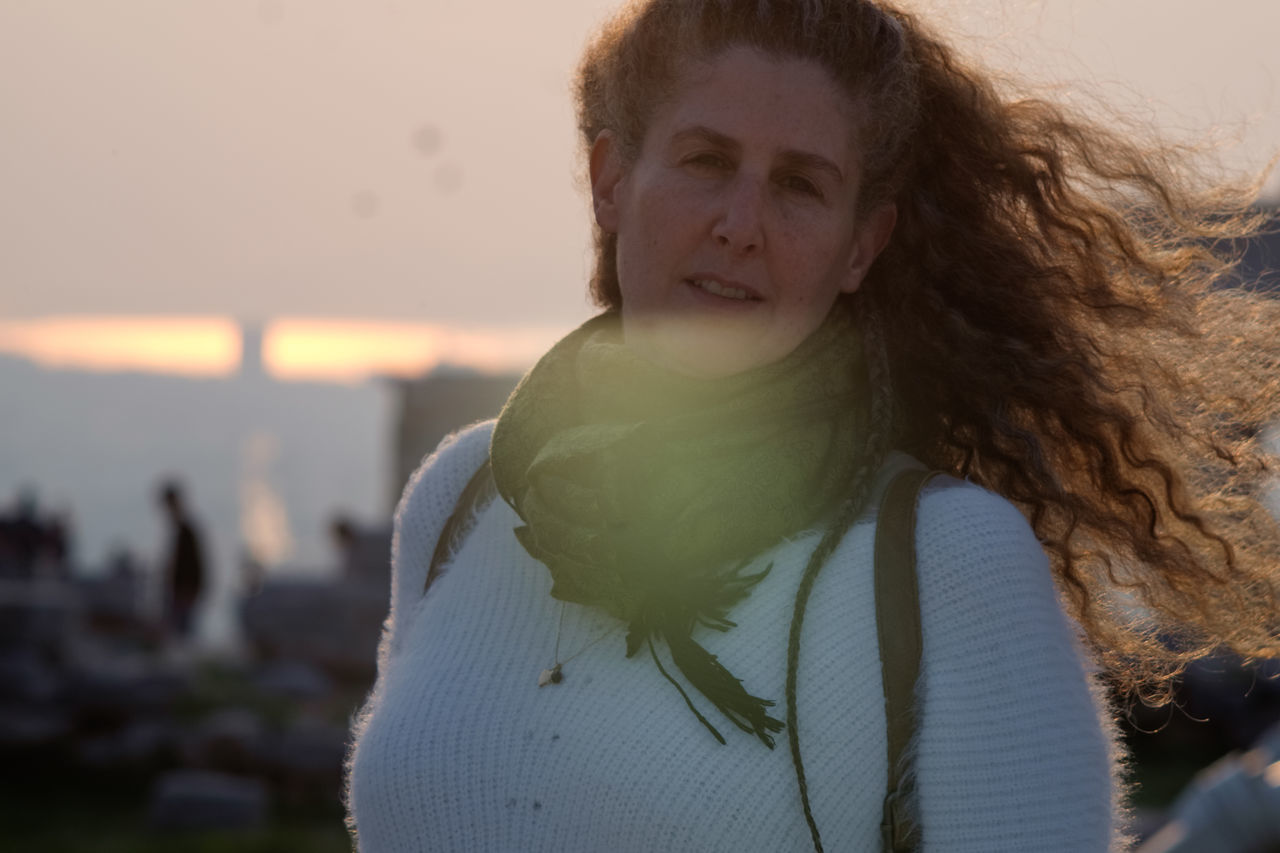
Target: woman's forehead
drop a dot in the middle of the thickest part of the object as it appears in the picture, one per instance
(747, 95)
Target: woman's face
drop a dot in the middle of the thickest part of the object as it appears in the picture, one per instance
(736, 225)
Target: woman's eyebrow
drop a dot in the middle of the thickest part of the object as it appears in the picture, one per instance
(814, 163)
(794, 158)
(702, 133)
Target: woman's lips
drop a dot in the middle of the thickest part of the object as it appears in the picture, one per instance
(722, 289)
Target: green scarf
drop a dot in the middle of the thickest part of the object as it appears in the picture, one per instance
(647, 492)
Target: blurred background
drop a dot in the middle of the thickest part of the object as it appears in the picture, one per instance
(269, 252)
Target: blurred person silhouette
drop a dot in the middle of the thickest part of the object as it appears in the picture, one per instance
(364, 551)
(833, 256)
(184, 567)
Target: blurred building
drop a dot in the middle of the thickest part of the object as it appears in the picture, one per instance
(251, 365)
(434, 406)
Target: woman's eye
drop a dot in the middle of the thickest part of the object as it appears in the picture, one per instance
(707, 161)
(802, 185)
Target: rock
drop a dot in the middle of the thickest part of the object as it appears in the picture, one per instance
(26, 726)
(294, 680)
(141, 743)
(115, 605)
(335, 625)
(1232, 805)
(305, 761)
(36, 615)
(202, 800)
(122, 686)
(26, 676)
(230, 739)
(308, 747)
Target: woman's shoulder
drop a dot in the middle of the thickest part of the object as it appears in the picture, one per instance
(979, 562)
(962, 518)
(1014, 743)
(429, 499)
(434, 487)
(978, 531)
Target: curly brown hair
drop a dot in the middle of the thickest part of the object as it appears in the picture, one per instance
(1054, 310)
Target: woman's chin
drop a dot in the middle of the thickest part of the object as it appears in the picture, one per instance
(699, 349)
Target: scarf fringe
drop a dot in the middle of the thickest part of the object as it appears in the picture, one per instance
(683, 695)
(722, 688)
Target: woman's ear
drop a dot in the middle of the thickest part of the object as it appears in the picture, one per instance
(872, 235)
(606, 174)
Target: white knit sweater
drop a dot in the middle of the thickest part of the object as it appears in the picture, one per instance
(458, 749)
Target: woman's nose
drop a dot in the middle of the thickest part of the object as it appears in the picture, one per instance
(739, 226)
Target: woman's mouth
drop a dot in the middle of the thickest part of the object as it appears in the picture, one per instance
(715, 288)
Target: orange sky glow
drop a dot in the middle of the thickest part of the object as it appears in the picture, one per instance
(293, 349)
(184, 346)
(349, 351)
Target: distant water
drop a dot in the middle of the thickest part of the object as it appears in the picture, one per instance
(266, 464)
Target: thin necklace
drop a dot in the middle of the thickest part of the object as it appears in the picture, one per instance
(555, 674)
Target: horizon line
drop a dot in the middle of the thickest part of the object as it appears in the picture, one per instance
(342, 350)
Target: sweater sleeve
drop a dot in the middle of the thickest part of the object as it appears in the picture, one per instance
(429, 499)
(1013, 751)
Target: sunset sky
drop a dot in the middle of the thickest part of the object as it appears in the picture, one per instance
(288, 348)
(231, 161)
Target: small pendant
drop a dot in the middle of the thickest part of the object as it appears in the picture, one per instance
(550, 676)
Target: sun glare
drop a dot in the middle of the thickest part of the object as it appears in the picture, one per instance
(187, 346)
(351, 351)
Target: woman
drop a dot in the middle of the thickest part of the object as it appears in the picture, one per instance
(824, 243)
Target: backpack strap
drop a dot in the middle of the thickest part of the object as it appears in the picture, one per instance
(475, 496)
(901, 643)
